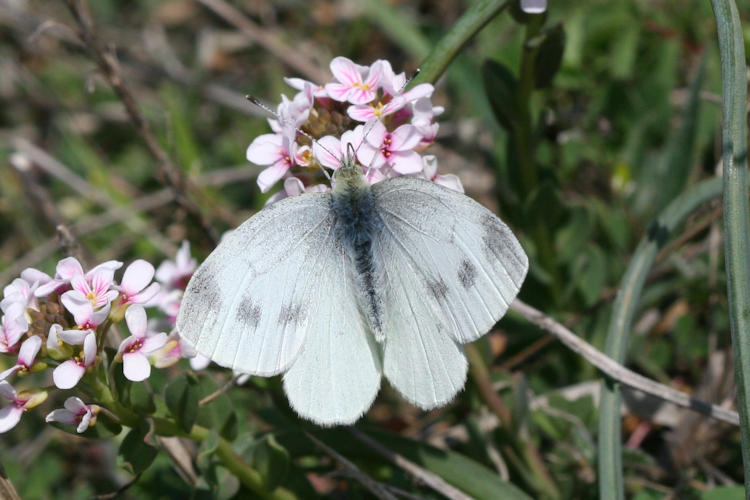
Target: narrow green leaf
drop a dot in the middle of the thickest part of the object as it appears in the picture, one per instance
(462, 31)
(460, 471)
(673, 174)
(550, 55)
(618, 335)
(737, 239)
(724, 493)
(500, 87)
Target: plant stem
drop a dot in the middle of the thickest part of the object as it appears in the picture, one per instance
(248, 476)
(737, 240)
(470, 23)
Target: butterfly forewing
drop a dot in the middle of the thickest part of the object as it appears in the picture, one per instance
(248, 305)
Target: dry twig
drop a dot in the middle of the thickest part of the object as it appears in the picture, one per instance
(432, 480)
(170, 174)
(618, 372)
(369, 483)
(270, 41)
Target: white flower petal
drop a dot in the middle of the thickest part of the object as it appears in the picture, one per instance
(137, 275)
(67, 374)
(9, 417)
(135, 366)
(135, 317)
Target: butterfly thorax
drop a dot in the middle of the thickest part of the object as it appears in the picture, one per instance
(353, 205)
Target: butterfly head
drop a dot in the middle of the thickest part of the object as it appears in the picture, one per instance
(349, 174)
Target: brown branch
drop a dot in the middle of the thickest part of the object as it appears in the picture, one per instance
(270, 41)
(618, 372)
(105, 60)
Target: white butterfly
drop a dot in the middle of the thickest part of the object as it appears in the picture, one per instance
(337, 289)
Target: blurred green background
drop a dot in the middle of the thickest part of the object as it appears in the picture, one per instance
(630, 120)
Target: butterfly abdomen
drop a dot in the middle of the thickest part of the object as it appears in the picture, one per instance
(356, 220)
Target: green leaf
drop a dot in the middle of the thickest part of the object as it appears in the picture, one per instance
(270, 459)
(571, 238)
(593, 274)
(135, 455)
(181, 397)
(207, 448)
(219, 413)
(724, 493)
(623, 55)
(140, 398)
(550, 55)
(500, 86)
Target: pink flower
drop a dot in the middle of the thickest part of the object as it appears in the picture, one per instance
(318, 91)
(177, 274)
(134, 287)
(67, 374)
(448, 180)
(133, 350)
(199, 362)
(94, 287)
(383, 107)
(330, 151)
(65, 271)
(18, 295)
(76, 413)
(279, 152)
(11, 330)
(56, 348)
(424, 120)
(26, 355)
(84, 314)
(174, 350)
(356, 84)
(395, 149)
(10, 415)
(291, 114)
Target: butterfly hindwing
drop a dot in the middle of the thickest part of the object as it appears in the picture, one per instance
(451, 269)
(336, 376)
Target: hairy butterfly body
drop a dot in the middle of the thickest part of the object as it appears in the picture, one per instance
(337, 289)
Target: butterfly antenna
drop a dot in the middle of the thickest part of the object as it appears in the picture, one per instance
(268, 110)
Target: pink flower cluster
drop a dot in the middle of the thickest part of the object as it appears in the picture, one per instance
(62, 322)
(365, 106)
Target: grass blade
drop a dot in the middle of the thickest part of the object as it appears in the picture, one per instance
(610, 441)
(737, 242)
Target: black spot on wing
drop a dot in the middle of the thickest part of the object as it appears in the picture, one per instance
(204, 289)
(467, 274)
(438, 288)
(248, 313)
(291, 314)
(498, 245)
